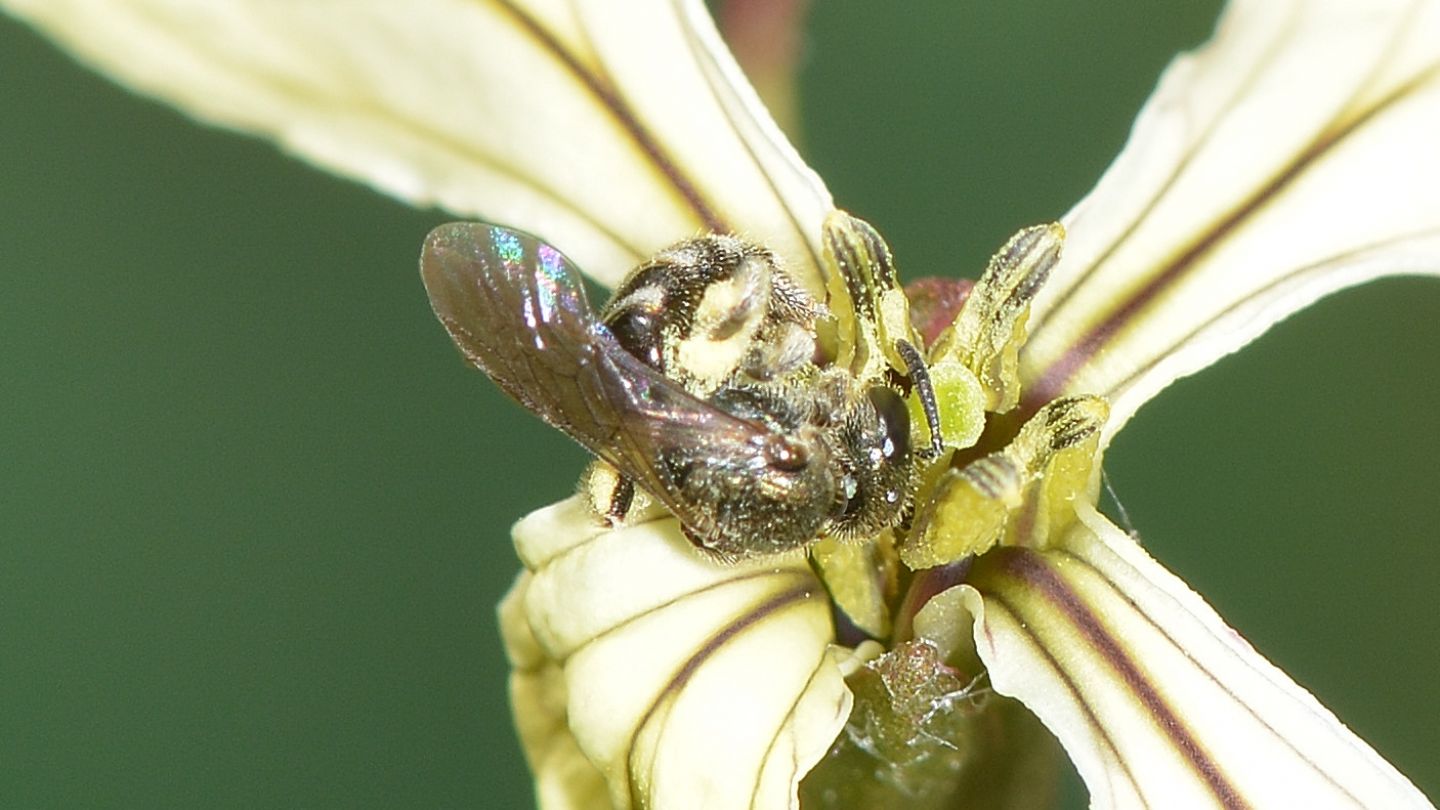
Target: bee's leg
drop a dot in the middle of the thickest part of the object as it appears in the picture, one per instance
(714, 548)
(621, 499)
(925, 390)
(611, 494)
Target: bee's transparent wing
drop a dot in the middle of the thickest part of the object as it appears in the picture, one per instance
(517, 310)
(610, 129)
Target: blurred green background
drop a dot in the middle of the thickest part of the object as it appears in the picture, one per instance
(253, 510)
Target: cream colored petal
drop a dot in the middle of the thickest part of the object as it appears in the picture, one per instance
(1293, 155)
(608, 129)
(564, 778)
(1156, 700)
(687, 684)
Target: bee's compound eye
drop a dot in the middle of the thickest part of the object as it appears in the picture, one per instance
(895, 418)
(787, 454)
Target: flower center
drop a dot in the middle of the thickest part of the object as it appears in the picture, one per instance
(1000, 476)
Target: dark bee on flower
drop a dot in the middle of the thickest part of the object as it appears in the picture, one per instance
(702, 382)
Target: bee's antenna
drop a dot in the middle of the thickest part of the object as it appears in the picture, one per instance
(920, 378)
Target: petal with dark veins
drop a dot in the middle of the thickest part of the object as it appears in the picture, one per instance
(686, 684)
(610, 135)
(1157, 701)
(1290, 157)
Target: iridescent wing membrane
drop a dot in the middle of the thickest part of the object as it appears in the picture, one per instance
(517, 310)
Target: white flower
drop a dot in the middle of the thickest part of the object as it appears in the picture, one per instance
(1292, 156)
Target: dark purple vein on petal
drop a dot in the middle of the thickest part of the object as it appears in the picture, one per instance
(996, 599)
(1220, 685)
(804, 577)
(284, 84)
(1191, 152)
(605, 93)
(780, 728)
(1032, 571)
(771, 606)
(1053, 380)
(1292, 277)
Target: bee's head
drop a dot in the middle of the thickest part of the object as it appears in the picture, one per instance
(875, 462)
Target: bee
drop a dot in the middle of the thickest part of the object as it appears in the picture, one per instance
(703, 382)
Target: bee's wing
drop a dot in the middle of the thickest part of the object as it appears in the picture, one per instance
(517, 310)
